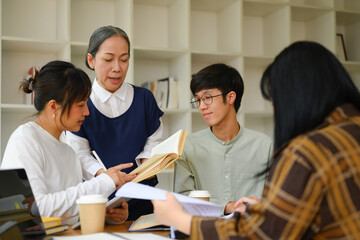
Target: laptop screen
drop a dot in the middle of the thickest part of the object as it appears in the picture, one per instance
(17, 204)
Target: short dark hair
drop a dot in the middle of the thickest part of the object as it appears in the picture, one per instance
(100, 35)
(305, 83)
(220, 76)
(60, 81)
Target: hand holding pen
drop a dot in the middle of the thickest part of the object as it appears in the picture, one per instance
(115, 172)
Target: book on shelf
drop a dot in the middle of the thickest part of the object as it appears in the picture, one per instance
(173, 94)
(147, 222)
(162, 156)
(152, 86)
(162, 93)
(165, 92)
(341, 50)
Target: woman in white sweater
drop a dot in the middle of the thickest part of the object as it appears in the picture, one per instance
(61, 92)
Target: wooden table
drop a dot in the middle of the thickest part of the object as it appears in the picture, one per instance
(113, 228)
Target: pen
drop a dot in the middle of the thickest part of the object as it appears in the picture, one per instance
(118, 235)
(98, 159)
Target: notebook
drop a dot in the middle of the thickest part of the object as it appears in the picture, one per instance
(14, 189)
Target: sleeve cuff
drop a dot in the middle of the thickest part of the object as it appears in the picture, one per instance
(138, 161)
(94, 168)
(220, 202)
(107, 182)
(143, 154)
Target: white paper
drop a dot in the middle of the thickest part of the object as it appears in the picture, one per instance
(192, 206)
(113, 236)
(142, 236)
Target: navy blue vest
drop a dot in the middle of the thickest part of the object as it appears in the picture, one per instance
(120, 139)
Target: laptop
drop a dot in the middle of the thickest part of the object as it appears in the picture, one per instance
(18, 209)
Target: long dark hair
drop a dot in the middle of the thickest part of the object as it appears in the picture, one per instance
(305, 83)
(60, 81)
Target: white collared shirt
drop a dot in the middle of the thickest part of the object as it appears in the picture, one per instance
(111, 105)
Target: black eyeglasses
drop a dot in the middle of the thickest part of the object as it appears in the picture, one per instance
(206, 98)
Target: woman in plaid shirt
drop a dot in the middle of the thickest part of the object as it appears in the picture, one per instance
(313, 187)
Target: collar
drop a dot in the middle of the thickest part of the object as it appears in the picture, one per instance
(339, 114)
(239, 134)
(104, 94)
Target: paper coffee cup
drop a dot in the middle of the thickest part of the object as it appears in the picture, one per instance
(200, 194)
(92, 209)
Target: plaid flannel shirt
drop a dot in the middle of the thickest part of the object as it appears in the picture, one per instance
(312, 192)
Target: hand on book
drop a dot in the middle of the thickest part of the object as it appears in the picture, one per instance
(118, 176)
(118, 215)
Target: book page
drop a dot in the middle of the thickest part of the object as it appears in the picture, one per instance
(170, 145)
(162, 156)
(156, 167)
(151, 161)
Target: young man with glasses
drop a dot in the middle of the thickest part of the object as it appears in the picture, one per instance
(225, 158)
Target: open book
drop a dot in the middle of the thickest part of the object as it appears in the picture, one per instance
(162, 156)
(147, 222)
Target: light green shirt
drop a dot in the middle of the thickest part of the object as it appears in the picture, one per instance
(227, 170)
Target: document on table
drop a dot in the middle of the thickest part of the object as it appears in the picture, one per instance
(191, 205)
(111, 236)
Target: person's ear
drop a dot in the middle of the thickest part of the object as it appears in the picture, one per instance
(52, 105)
(90, 60)
(231, 97)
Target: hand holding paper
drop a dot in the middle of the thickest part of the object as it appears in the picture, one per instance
(191, 205)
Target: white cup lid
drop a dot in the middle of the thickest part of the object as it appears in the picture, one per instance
(199, 193)
(92, 198)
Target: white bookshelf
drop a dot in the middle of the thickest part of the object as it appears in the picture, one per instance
(170, 38)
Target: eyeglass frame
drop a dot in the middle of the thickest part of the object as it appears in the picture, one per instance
(198, 102)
